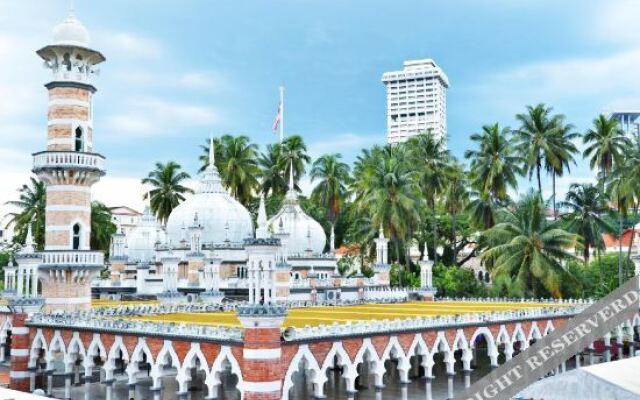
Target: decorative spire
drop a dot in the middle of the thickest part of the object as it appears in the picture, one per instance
(262, 230)
(425, 255)
(332, 247)
(28, 243)
(212, 152)
(291, 187)
(381, 232)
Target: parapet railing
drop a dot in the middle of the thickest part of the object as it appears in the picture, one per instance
(72, 257)
(367, 328)
(130, 326)
(68, 159)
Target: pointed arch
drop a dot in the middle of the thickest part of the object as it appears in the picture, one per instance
(225, 354)
(118, 345)
(393, 346)
(549, 328)
(460, 341)
(303, 354)
(534, 333)
(4, 330)
(488, 337)
(167, 352)
(418, 347)
(503, 336)
(337, 350)
(39, 342)
(194, 354)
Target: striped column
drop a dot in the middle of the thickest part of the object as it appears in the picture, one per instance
(19, 374)
(262, 368)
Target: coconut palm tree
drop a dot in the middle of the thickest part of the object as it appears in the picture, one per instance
(429, 156)
(563, 149)
(272, 179)
(168, 190)
(528, 248)
(235, 158)
(31, 203)
(456, 198)
(535, 140)
(387, 190)
(606, 143)
(102, 226)
(333, 177)
(494, 165)
(293, 151)
(586, 205)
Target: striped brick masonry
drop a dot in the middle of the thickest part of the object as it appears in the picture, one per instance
(262, 368)
(19, 375)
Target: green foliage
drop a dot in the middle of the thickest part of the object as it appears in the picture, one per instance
(168, 190)
(102, 227)
(601, 275)
(457, 282)
(31, 203)
(401, 276)
(5, 260)
(347, 266)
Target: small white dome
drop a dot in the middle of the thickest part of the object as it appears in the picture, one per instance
(141, 241)
(71, 33)
(305, 233)
(221, 216)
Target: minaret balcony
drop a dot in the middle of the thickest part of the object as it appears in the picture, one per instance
(68, 160)
(62, 259)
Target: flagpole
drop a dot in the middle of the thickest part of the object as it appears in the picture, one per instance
(281, 114)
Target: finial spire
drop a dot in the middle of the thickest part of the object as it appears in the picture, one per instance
(212, 152)
(381, 232)
(291, 176)
(28, 243)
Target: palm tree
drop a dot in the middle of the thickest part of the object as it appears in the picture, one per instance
(333, 177)
(456, 197)
(387, 189)
(605, 145)
(430, 158)
(167, 181)
(534, 140)
(528, 248)
(293, 151)
(102, 226)
(586, 205)
(32, 203)
(622, 190)
(235, 158)
(494, 165)
(563, 150)
(273, 180)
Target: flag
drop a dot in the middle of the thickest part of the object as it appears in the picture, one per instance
(276, 121)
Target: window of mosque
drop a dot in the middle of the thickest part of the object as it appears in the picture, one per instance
(79, 139)
(76, 237)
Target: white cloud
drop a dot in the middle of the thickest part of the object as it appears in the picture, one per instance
(196, 80)
(151, 117)
(129, 45)
(616, 21)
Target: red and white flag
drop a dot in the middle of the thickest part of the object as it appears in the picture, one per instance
(276, 122)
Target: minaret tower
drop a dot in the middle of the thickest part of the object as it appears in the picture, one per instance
(69, 167)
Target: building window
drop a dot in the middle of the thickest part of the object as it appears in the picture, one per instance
(79, 139)
(76, 237)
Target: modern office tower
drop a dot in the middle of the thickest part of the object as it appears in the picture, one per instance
(629, 121)
(416, 100)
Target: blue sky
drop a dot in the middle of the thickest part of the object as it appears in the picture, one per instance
(178, 71)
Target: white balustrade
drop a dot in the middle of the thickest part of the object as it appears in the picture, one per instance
(72, 257)
(68, 159)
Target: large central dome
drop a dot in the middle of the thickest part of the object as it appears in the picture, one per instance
(222, 217)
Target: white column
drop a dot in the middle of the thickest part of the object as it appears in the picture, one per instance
(34, 282)
(20, 281)
(251, 285)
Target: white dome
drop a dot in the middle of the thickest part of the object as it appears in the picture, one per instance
(141, 241)
(305, 233)
(71, 33)
(221, 216)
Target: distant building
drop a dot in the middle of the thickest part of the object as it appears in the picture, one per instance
(125, 217)
(629, 121)
(416, 100)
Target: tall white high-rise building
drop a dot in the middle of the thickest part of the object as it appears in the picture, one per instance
(416, 100)
(629, 121)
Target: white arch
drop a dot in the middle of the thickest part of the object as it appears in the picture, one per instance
(194, 354)
(419, 347)
(441, 345)
(110, 363)
(534, 333)
(349, 369)
(166, 356)
(503, 336)
(636, 320)
(96, 348)
(460, 341)
(394, 348)
(549, 328)
(213, 378)
(136, 356)
(6, 327)
(75, 350)
(38, 343)
(492, 347)
(519, 336)
(56, 345)
(303, 354)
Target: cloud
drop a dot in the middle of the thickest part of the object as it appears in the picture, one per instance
(197, 80)
(151, 117)
(130, 45)
(616, 21)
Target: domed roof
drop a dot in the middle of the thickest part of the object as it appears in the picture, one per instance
(141, 241)
(305, 233)
(222, 217)
(71, 33)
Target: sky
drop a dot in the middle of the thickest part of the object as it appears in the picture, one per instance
(180, 71)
